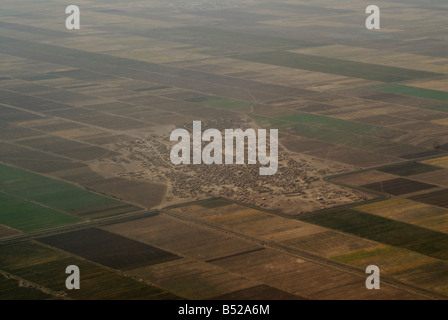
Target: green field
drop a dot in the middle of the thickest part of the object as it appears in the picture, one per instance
(413, 91)
(220, 103)
(46, 267)
(336, 66)
(50, 192)
(31, 201)
(12, 291)
(383, 230)
(26, 216)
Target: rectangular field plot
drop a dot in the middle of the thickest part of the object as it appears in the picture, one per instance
(58, 195)
(432, 275)
(402, 265)
(439, 177)
(299, 144)
(214, 203)
(261, 292)
(289, 232)
(332, 123)
(423, 154)
(440, 162)
(413, 91)
(353, 156)
(404, 210)
(12, 291)
(145, 194)
(399, 186)
(409, 169)
(304, 279)
(221, 103)
(193, 279)
(182, 238)
(388, 259)
(67, 148)
(407, 236)
(108, 249)
(7, 231)
(437, 198)
(439, 108)
(363, 178)
(45, 267)
(27, 216)
(336, 66)
(10, 132)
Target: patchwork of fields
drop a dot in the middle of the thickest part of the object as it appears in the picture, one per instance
(34, 202)
(86, 180)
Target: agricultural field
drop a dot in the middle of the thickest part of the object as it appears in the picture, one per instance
(356, 237)
(108, 249)
(33, 202)
(420, 214)
(11, 290)
(219, 102)
(440, 162)
(43, 267)
(27, 216)
(380, 229)
(413, 91)
(235, 267)
(408, 169)
(399, 186)
(86, 176)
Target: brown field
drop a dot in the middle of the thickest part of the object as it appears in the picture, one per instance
(439, 177)
(304, 279)
(440, 162)
(107, 139)
(108, 249)
(353, 156)
(182, 238)
(362, 178)
(94, 107)
(269, 227)
(7, 231)
(34, 160)
(261, 292)
(146, 194)
(193, 279)
(437, 198)
(249, 262)
(403, 265)
(80, 175)
(421, 214)
(43, 268)
(422, 154)
(399, 186)
(300, 144)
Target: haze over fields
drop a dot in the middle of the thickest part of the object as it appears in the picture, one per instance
(86, 177)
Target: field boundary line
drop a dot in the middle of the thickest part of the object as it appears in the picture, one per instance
(78, 226)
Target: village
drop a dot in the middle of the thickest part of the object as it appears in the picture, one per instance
(297, 180)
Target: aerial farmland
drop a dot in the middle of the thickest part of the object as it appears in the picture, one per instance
(87, 176)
